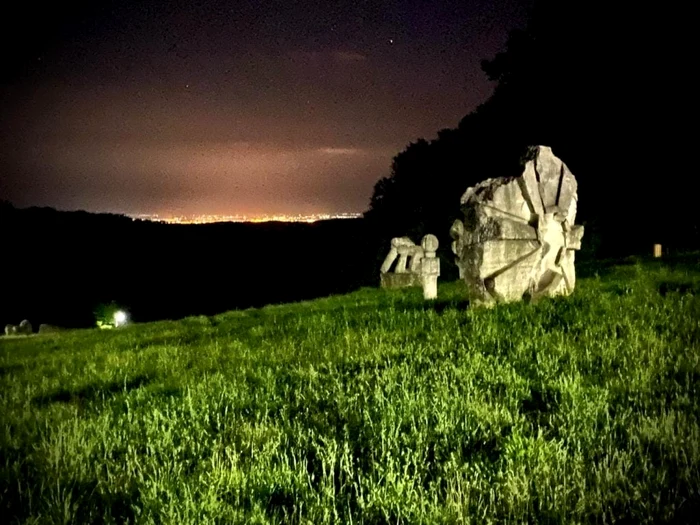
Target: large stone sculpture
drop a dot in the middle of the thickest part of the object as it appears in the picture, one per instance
(413, 265)
(518, 236)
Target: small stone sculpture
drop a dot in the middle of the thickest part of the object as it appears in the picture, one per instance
(415, 265)
(430, 267)
(407, 256)
(518, 236)
(25, 328)
(48, 329)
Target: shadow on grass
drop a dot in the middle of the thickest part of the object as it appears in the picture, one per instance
(603, 267)
(539, 406)
(165, 392)
(97, 507)
(681, 287)
(439, 306)
(281, 502)
(92, 392)
(9, 369)
(29, 484)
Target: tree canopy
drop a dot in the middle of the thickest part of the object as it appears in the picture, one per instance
(594, 82)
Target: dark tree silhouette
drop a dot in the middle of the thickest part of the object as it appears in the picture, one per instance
(594, 82)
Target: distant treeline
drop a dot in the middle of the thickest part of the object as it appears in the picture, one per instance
(59, 267)
(606, 85)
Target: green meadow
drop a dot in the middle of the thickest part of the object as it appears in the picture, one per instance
(372, 407)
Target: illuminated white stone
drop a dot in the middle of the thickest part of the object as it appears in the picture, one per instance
(413, 265)
(518, 236)
(430, 267)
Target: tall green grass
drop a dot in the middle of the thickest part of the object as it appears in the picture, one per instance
(373, 407)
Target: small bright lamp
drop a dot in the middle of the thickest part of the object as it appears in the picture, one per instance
(120, 318)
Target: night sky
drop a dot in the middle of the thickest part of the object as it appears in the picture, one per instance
(233, 107)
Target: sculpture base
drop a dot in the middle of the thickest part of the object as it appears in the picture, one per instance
(400, 280)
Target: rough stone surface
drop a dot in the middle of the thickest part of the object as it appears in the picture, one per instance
(518, 236)
(413, 265)
(25, 328)
(49, 329)
(400, 280)
(430, 267)
(407, 253)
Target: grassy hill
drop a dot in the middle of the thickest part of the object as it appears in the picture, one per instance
(373, 407)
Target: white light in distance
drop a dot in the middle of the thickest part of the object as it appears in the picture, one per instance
(119, 318)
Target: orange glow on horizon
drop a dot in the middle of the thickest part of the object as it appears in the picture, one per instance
(210, 219)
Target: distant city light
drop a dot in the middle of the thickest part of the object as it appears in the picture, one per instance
(120, 318)
(208, 219)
